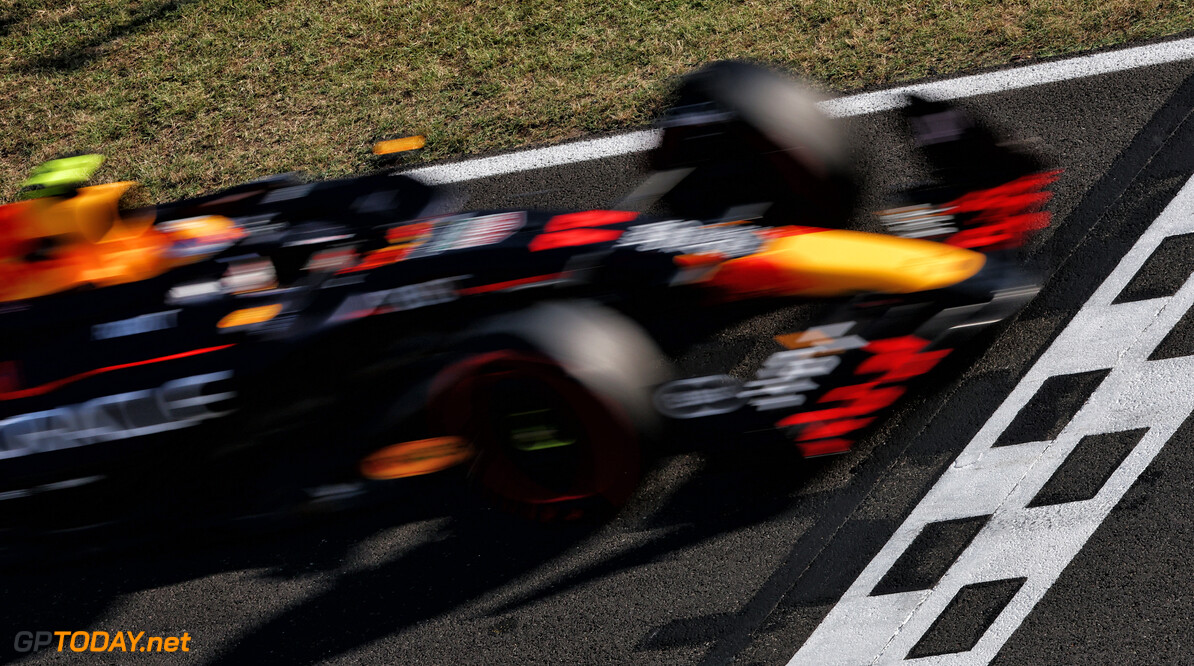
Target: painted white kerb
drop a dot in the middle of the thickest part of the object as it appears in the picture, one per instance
(1036, 543)
(851, 105)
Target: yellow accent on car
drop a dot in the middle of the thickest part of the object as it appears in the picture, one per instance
(247, 316)
(89, 215)
(59, 243)
(839, 263)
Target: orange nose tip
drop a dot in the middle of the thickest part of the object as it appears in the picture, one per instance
(423, 456)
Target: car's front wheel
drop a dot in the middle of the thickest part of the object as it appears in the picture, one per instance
(555, 401)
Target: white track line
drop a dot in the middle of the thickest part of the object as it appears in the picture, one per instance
(538, 158)
(1019, 541)
(851, 105)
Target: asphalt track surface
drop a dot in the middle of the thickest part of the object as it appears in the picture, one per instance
(740, 555)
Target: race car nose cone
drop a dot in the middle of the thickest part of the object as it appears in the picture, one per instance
(840, 263)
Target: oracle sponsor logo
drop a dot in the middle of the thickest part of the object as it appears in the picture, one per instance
(146, 323)
(180, 403)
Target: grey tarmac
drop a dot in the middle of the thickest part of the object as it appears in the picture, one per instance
(720, 557)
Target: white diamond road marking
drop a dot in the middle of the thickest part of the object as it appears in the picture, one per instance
(1035, 543)
(851, 105)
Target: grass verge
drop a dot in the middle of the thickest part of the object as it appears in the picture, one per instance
(189, 95)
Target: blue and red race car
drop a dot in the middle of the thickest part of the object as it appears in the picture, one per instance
(355, 332)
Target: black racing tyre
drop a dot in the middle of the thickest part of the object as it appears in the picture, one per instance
(555, 400)
(752, 135)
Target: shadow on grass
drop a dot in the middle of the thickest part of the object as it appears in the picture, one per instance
(10, 17)
(78, 55)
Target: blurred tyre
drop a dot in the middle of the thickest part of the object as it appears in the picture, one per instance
(752, 135)
(555, 400)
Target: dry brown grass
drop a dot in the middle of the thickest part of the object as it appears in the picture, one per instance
(188, 95)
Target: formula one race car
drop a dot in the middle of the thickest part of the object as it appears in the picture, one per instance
(357, 331)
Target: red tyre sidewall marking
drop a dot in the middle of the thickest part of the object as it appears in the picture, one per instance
(460, 398)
